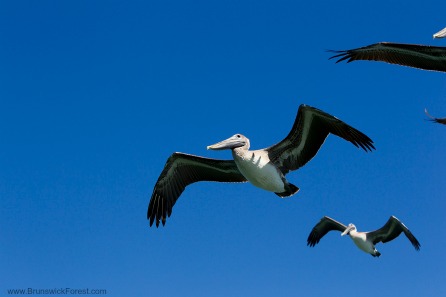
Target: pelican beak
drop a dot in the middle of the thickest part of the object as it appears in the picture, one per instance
(230, 143)
(347, 230)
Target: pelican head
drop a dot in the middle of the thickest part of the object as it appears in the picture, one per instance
(235, 141)
(349, 228)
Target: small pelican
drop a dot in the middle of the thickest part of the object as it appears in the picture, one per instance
(411, 55)
(440, 34)
(364, 240)
(436, 120)
(264, 168)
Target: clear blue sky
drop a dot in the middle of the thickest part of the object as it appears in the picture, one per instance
(96, 95)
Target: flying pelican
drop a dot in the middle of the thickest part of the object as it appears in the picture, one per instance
(412, 55)
(364, 240)
(436, 120)
(264, 168)
(440, 34)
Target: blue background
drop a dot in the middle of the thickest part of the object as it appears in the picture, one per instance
(96, 95)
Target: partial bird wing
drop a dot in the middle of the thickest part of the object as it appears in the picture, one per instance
(391, 230)
(436, 120)
(412, 55)
(307, 135)
(182, 170)
(324, 226)
(440, 34)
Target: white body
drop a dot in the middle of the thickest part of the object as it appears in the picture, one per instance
(258, 170)
(360, 239)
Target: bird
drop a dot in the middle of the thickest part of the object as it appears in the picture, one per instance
(435, 120)
(440, 34)
(412, 55)
(265, 168)
(365, 241)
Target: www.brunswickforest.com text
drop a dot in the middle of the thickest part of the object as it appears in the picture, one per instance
(56, 291)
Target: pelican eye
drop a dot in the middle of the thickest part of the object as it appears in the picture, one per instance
(238, 135)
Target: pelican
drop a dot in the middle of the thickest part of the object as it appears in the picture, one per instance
(436, 120)
(412, 55)
(264, 168)
(365, 241)
(440, 34)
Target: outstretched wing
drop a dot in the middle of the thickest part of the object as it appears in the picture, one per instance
(182, 170)
(307, 135)
(436, 120)
(391, 230)
(324, 226)
(412, 55)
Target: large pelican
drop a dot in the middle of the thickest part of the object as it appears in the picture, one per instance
(264, 168)
(366, 241)
(436, 120)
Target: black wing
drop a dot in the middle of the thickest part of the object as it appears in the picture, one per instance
(182, 170)
(307, 135)
(436, 120)
(324, 226)
(391, 230)
(412, 55)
